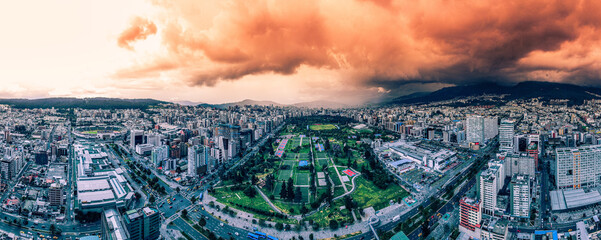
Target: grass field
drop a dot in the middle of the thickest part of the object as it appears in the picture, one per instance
(301, 179)
(90, 132)
(319, 127)
(323, 217)
(228, 196)
(276, 189)
(365, 191)
(334, 177)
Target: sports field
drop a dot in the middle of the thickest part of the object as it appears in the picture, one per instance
(319, 127)
(305, 192)
(284, 174)
(301, 179)
(90, 132)
(321, 155)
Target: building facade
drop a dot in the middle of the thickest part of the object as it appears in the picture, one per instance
(578, 167)
(520, 196)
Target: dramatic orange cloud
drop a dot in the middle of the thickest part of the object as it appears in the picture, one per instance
(139, 29)
(379, 43)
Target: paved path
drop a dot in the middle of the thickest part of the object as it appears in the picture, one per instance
(338, 173)
(349, 192)
(269, 201)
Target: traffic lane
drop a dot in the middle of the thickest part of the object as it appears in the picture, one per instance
(222, 229)
(185, 227)
(168, 209)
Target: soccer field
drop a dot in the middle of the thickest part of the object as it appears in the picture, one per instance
(301, 179)
(319, 127)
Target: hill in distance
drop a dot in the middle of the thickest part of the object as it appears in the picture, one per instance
(523, 90)
(250, 102)
(85, 103)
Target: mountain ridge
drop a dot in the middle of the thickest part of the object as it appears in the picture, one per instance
(85, 103)
(524, 90)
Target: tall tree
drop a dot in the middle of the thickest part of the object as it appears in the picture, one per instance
(284, 192)
(290, 189)
(298, 196)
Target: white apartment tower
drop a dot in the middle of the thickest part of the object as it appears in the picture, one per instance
(506, 133)
(578, 167)
(520, 196)
(491, 181)
(479, 128)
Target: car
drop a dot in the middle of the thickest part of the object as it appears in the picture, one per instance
(237, 234)
(221, 224)
(170, 207)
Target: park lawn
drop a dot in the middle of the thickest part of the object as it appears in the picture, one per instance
(365, 191)
(321, 162)
(285, 206)
(319, 127)
(338, 191)
(334, 176)
(323, 217)
(228, 197)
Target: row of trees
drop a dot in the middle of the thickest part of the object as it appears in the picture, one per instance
(260, 211)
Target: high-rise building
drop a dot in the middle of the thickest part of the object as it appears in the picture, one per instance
(8, 169)
(518, 164)
(506, 133)
(55, 194)
(198, 156)
(154, 139)
(470, 215)
(136, 137)
(578, 167)
(41, 157)
(159, 154)
(491, 181)
(533, 149)
(491, 127)
(228, 140)
(142, 224)
(520, 196)
(112, 227)
(479, 129)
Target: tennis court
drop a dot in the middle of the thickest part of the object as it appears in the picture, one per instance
(349, 172)
(284, 174)
(305, 192)
(301, 179)
(290, 163)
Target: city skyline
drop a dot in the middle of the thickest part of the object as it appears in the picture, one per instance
(290, 52)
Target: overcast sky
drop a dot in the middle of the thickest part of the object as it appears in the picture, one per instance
(290, 51)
